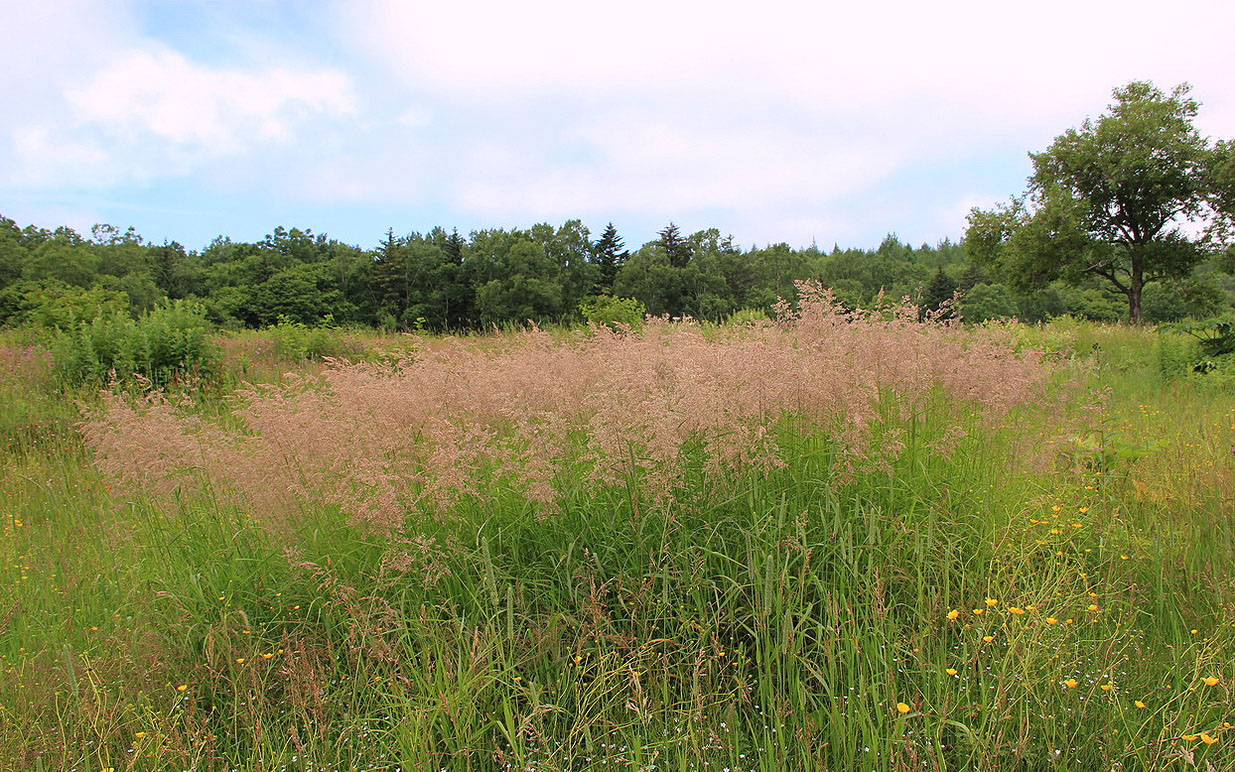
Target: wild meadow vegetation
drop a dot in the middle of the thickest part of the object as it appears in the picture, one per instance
(829, 540)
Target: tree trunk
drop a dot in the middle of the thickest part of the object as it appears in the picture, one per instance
(1135, 287)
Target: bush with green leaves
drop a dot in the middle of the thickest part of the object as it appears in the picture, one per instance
(52, 304)
(295, 340)
(1177, 355)
(614, 312)
(168, 343)
(985, 302)
(1214, 341)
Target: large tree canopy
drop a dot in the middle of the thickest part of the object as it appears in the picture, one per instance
(1126, 198)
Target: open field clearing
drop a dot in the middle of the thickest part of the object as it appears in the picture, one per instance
(833, 542)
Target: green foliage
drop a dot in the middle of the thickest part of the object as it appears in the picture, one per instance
(1061, 298)
(937, 297)
(677, 249)
(610, 252)
(296, 341)
(747, 316)
(1212, 349)
(614, 312)
(985, 302)
(169, 342)
(443, 280)
(52, 304)
(1177, 354)
(1173, 300)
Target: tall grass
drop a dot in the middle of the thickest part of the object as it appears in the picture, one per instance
(949, 585)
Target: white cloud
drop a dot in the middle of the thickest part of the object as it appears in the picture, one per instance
(156, 93)
(772, 111)
(639, 162)
(776, 120)
(108, 106)
(1006, 58)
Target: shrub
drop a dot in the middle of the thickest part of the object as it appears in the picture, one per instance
(55, 305)
(1214, 343)
(985, 302)
(170, 342)
(614, 312)
(294, 340)
(746, 317)
(1177, 355)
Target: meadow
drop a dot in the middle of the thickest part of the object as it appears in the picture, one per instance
(836, 541)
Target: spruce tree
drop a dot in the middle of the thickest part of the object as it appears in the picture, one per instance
(940, 290)
(390, 276)
(676, 248)
(609, 255)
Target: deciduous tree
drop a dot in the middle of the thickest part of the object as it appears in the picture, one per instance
(1122, 197)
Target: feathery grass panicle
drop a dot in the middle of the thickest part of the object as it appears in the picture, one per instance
(383, 441)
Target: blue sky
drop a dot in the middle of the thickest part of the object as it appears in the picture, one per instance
(776, 121)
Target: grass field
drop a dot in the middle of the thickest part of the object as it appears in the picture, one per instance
(826, 545)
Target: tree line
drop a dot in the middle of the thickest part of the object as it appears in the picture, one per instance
(442, 280)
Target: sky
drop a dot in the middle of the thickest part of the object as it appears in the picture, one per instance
(820, 122)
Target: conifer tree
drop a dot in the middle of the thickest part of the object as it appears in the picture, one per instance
(676, 248)
(940, 290)
(609, 254)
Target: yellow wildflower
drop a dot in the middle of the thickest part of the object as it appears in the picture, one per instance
(1189, 737)
(1207, 739)
(978, 612)
(950, 671)
(182, 687)
(902, 707)
(953, 614)
(1051, 620)
(1105, 687)
(1071, 683)
(1138, 703)
(1015, 610)
(1211, 681)
(991, 602)
(988, 638)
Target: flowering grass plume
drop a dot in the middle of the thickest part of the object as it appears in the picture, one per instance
(536, 410)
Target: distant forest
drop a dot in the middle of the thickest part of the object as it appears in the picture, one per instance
(442, 280)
